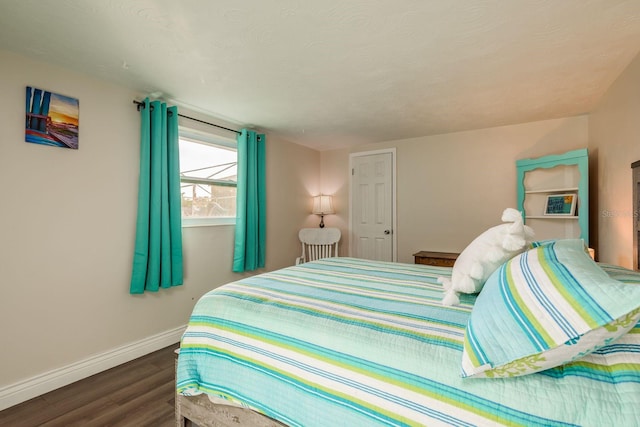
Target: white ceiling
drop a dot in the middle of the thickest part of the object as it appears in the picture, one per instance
(332, 73)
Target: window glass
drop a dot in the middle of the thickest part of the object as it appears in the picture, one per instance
(208, 171)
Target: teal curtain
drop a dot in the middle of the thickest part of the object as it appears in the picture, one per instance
(157, 261)
(251, 200)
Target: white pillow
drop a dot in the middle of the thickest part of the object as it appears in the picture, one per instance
(485, 254)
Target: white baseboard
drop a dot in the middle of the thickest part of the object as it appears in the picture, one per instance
(22, 391)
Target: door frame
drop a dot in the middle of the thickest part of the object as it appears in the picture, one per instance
(394, 221)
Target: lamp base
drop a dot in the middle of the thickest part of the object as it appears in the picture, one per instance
(321, 221)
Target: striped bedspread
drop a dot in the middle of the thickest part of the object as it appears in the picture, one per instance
(350, 342)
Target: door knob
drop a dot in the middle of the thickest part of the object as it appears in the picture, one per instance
(387, 231)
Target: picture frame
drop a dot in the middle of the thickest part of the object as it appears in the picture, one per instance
(51, 118)
(561, 204)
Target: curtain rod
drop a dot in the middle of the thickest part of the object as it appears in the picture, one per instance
(140, 105)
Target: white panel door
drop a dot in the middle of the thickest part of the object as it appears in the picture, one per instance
(372, 206)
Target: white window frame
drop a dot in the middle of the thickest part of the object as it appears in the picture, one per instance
(215, 140)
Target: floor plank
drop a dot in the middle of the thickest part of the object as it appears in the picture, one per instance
(138, 393)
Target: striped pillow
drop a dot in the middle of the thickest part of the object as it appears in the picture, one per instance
(544, 308)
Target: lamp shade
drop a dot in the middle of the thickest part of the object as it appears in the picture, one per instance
(322, 205)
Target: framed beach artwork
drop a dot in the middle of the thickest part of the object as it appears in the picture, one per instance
(51, 119)
(561, 204)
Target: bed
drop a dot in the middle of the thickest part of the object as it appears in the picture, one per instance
(351, 342)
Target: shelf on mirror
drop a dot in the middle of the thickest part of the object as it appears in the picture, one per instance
(551, 217)
(552, 190)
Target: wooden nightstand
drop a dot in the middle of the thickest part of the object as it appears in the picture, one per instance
(439, 259)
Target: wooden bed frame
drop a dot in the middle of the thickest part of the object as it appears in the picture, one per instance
(204, 413)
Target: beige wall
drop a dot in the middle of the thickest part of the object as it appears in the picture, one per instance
(67, 227)
(614, 143)
(335, 168)
(452, 187)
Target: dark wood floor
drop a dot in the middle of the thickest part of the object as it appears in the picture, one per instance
(138, 393)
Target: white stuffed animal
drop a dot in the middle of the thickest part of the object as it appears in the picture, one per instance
(485, 254)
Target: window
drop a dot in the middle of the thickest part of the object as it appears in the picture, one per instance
(208, 178)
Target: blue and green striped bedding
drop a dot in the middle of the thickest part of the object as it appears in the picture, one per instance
(350, 342)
